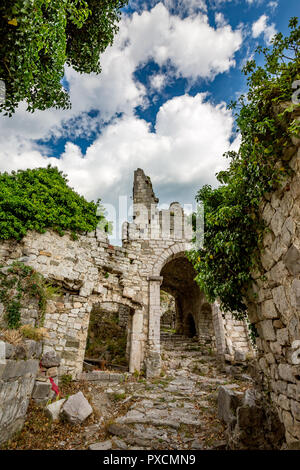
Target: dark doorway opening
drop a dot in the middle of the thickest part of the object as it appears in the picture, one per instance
(191, 327)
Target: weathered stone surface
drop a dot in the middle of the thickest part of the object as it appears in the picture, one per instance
(53, 409)
(76, 408)
(17, 379)
(268, 309)
(120, 430)
(105, 445)
(292, 260)
(239, 356)
(50, 359)
(228, 402)
(286, 372)
(266, 330)
(118, 444)
(257, 425)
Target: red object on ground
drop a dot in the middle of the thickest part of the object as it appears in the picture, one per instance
(54, 386)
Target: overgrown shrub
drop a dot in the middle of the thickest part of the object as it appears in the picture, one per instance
(233, 226)
(41, 199)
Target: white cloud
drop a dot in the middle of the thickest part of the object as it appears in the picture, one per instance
(186, 6)
(261, 27)
(185, 149)
(184, 152)
(190, 45)
(273, 5)
(219, 19)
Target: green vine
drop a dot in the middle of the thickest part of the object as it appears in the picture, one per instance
(18, 284)
(233, 227)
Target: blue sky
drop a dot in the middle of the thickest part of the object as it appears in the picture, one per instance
(159, 103)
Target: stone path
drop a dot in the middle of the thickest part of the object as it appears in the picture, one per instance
(177, 410)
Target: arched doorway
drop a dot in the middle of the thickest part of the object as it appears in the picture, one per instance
(190, 330)
(175, 275)
(178, 280)
(107, 339)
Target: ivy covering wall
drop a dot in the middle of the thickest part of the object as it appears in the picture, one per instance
(266, 121)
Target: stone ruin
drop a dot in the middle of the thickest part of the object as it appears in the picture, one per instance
(91, 274)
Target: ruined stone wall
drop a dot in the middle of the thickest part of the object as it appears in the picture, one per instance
(89, 271)
(18, 370)
(275, 309)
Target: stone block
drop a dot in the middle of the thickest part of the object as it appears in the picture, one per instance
(41, 390)
(11, 370)
(292, 260)
(286, 372)
(268, 309)
(282, 336)
(105, 445)
(295, 294)
(30, 346)
(50, 359)
(9, 351)
(239, 356)
(295, 408)
(280, 299)
(76, 409)
(52, 372)
(266, 330)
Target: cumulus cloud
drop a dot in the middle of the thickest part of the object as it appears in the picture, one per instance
(184, 152)
(193, 48)
(261, 27)
(185, 148)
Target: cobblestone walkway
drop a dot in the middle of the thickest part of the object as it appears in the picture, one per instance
(176, 411)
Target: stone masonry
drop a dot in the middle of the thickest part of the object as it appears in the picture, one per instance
(276, 305)
(18, 369)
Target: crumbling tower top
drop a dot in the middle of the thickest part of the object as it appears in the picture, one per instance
(142, 190)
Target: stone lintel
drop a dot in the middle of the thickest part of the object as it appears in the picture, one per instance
(155, 278)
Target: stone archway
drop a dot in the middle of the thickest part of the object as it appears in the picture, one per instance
(174, 274)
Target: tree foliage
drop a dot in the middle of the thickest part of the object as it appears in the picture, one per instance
(41, 199)
(233, 227)
(40, 36)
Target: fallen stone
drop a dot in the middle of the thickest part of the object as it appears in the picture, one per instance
(53, 410)
(76, 409)
(228, 401)
(106, 445)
